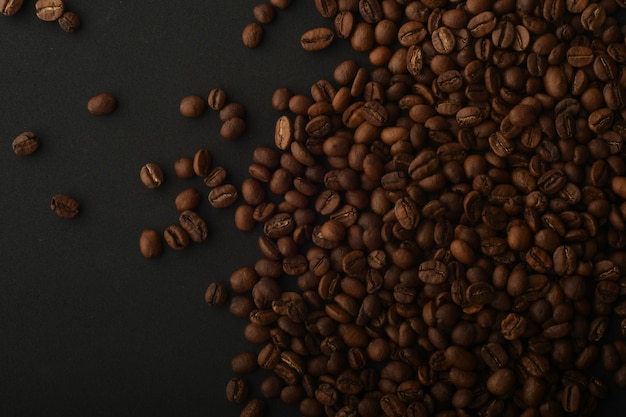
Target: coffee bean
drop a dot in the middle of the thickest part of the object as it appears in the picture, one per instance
(316, 39)
(10, 7)
(202, 161)
(192, 106)
(64, 206)
(216, 99)
(237, 390)
(49, 10)
(233, 128)
(102, 104)
(194, 225)
(176, 237)
(216, 295)
(69, 22)
(25, 143)
(252, 35)
(223, 196)
(151, 175)
(150, 244)
(188, 199)
(183, 168)
(264, 13)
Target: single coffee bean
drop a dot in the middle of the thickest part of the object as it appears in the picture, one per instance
(237, 390)
(192, 106)
(188, 199)
(102, 104)
(64, 206)
(25, 143)
(194, 225)
(10, 7)
(202, 161)
(150, 244)
(264, 13)
(252, 35)
(317, 39)
(176, 237)
(223, 196)
(69, 22)
(216, 177)
(216, 99)
(49, 10)
(216, 295)
(183, 168)
(151, 175)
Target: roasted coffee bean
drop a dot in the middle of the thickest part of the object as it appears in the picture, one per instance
(317, 39)
(69, 22)
(192, 106)
(150, 244)
(233, 128)
(64, 206)
(188, 199)
(176, 237)
(102, 104)
(10, 7)
(216, 295)
(237, 390)
(25, 143)
(252, 35)
(216, 100)
(151, 175)
(223, 196)
(254, 408)
(49, 10)
(194, 225)
(183, 168)
(215, 177)
(202, 160)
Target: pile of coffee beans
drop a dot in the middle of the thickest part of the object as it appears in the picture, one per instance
(443, 230)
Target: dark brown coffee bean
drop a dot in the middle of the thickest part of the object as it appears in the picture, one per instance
(223, 196)
(25, 143)
(194, 225)
(215, 177)
(233, 128)
(64, 206)
(216, 295)
(237, 390)
(150, 244)
(151, 175)
(102, 104)
(202, 162)
(49, 10)
(176, 237)
(317, 39)
(10, 7)
(252, 35)
(216, 100)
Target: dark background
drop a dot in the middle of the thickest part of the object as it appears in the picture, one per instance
(88, 327)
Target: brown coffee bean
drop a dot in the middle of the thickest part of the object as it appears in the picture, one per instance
(252, 35)
(216, 295)
(317, 39)
(194, 225)
(49, 10)
(223, 196)
(150, 244)
(202, 160)
(264, 13)
(25, 143)
(151, 175)
(233, 128)
(176, 237)
(64, 206)
(10, 7)
(192, 106)
(102, 104)
(69, 22)
(183, 168)
(237, 390)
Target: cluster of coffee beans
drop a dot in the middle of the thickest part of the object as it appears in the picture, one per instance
(453, 218)
(46, 10)
(231, 114)
(191, 226)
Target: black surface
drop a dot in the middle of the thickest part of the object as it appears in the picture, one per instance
(87, 326)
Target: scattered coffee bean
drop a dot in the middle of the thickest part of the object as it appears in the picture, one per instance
(183, 168)
(10, 7)
(102, 104)
(150, 244)
(252, 35)
(25, 143)
(151, 175)
(216, 99)
(216, 295)
(194, 225)
(188, 199)
(176, 237)
(69, 22)
(64, 206)
(192, 106)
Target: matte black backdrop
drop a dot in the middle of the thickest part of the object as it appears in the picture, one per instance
(87, 326)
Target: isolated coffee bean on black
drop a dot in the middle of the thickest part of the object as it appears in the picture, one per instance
(102, 104)
(64, 206)
(25, 143)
